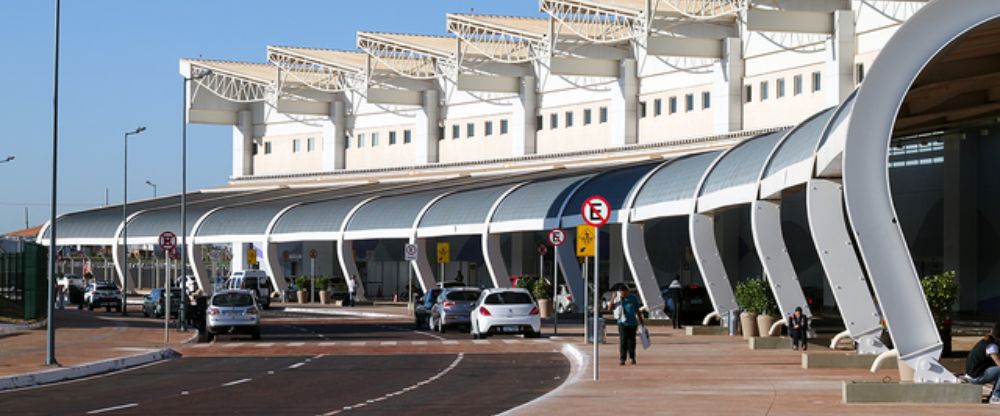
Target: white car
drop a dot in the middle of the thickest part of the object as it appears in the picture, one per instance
(230, 312)
(71, 280)
(255, 281)
(505, 311)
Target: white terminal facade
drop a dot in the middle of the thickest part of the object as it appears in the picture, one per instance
(732, 138)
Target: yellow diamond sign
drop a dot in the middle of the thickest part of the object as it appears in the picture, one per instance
(585, 240)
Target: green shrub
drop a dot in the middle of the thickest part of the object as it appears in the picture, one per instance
(541, 289)
(941, 291)
(754, 295)
(322, 282)
(302, 282)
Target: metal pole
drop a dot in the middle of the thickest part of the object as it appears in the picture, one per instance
(312, 278)
(184, 259)
(555, 290)
(50, 332)
(442, 272)
(166, 302)
(409, 287)
(597, 298)
(586, 282)
(125, 230)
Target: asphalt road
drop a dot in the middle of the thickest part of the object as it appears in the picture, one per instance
(440, 384)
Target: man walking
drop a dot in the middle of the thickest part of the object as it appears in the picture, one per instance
(352, 285)
(675, 298)
(626, 311)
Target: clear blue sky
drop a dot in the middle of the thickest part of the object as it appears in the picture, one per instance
(119, 71)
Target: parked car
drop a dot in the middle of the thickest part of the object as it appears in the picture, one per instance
(255, 281)
(505, 311)
(104, 294)
(232, 311)
(422, 310)
(153, 304)
(71, 280)
(453, 308)
(695, 303)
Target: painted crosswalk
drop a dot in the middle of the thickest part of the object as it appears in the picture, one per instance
(392, 343)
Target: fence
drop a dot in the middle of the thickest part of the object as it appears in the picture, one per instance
(23, 278)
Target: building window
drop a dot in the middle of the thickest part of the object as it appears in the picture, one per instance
(488, 128)
(569, 119)
(347, 141)
(706, 100)
(779, 86)
(295, 146)
(797, 85)
(748, 97)
(374, 139)
(267, 148)
(361, 140)
(392, 138)
(764, 90)
(456, 131)
(554, 121)
(470, 130)
(504, 126)
(672, 105)
(441, 135)
(586, 116)
(310, 144)
(642, 109)
(538, 123)
(817, 78)
(407, 136)
(657, 107)
(689, 102)
(602, 115)
(860, 72)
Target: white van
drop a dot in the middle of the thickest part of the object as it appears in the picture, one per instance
(255, 281)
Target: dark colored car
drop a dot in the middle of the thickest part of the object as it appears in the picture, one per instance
(422, 310)
(695, 303)
(453, 308)
(153, 304)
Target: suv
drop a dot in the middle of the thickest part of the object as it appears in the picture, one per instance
(505, 311)
(255, 281)
(153, 303)
(104, 294)
(232, 311)
(453, 308)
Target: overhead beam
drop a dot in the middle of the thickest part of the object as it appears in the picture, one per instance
(789, 21)
(929, 96)
(303, 107)
(397, 97)
(485, 83)
(583, 67)
(687, 47)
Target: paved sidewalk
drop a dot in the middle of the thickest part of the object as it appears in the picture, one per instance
(84, 337)
(716, 375)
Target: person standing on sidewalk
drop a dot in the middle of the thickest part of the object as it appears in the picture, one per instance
(352, 285)
(626, 311)
(675, 298)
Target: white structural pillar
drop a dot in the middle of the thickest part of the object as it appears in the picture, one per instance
(271, 264)
(334, 136)
(349, 266)
(765, 221)
(426, 132)
(727, 88)
(706, 253)
(825, 207)
(239, 262)
(493, 256)
(961, 219)
(569, 267)
(616, 256)
(422, 265)
(243, 144)
(637, 258)
(201, 275)
(624, 116)
(523, 119)
(517, 253)
(841, 48)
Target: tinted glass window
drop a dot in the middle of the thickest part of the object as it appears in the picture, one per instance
(232, 299)
(250, 283)
(508, 298)
(105, 287)
(463, 295)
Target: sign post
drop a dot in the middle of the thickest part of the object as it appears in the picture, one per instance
(443, 256)
(556, 237)
(168, 242)
(252, 256)
(410, 252)
(585, 249)
(312, 273)
(596, 212)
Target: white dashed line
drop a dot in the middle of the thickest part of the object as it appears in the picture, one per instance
(296, 344)
(296, 365)
(235, 382)
(265, 344)
(202, 345)
(450, 342)
(327, 344)
(388, 343)
(112, 408)
(358, 343)
(231, 345)
(511, 341)
(418, 342)
(403, 390)
(480, 342)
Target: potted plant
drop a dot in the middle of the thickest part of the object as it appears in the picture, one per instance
(323, 283)
(755, 297)
(302, 283)
(941, 291)
(745, 299)
(542, 291)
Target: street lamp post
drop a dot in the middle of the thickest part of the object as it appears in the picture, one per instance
(182, 315)
(50, 328)
(154, 187)
(125, 223)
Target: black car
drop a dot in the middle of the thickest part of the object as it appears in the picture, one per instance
(153, 303)
(422, 310)
(695, 303)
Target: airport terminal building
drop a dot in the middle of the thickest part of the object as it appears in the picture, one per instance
(840, 148)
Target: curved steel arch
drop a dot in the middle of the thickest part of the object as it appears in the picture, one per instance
(866, 181)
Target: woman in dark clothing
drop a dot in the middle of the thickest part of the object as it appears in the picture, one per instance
(798, 325)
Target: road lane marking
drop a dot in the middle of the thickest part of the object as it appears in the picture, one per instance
(231, 345)
(540, 340)
(235, 382)
(264, 344)
(358, 343)
(297, 365)
(112, 408)
(511, 341)
(388, 343)
(296, 344)
(404, 390)
(418, 342)
(450, 342)
(327, 344)
(202, 345)
(480, 341)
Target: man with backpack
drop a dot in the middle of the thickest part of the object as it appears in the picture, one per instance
(626, 312)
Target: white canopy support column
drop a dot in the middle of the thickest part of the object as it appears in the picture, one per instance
(569, 265)
(641, 267)
(201, 275)
(243, 144)
(493, 256)
(825, 207)
(272, 266)
(426, 129)
(239, 261)
(334, 148)
(349, 266)
(523, 118)
(624, 103)
(841, 49)
(765, 221)
(422, 265)
(727, 87)
(706, 254)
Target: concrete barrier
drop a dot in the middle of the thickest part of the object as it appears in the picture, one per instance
(896, 392)
(841, 360)
(769, 343)
(705, 330)
(85, 370)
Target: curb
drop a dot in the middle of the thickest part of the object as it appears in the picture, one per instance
(9, 330)
(578, 363)
(19, 381)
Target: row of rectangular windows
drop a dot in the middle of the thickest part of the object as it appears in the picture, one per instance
(779, 86)
(375, 138)
(602, 117)
(470, 129)
(689, 104)
(296, 146)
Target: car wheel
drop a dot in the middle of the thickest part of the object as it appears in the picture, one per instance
(204, 336)
(256, 335)
(118, 308)
(107, 309)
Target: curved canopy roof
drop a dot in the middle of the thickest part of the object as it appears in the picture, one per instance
(791, 163)
(614, 185)
(388, 217)
(535, 206)
(314, 221)
(146, 227)
(461, 212)
(733, 180)
(671, 189)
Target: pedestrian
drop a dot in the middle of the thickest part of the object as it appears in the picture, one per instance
(626, 311)
(798, 325)
(458, 277)
(352, 285)
(982, 365)
(675, 297)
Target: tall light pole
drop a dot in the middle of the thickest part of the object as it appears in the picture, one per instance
(7, 159)
(50, 331)
(153, 185)
(125, 223)
(182, 315)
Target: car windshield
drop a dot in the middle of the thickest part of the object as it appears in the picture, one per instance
(508, 298)
(104, 287)
(232, 299)
(463, 295)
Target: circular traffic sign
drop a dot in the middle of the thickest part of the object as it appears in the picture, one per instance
(542, 249)
(557, 237)
(411, 251)
(313, 253)
(596, 211)
(168, 241)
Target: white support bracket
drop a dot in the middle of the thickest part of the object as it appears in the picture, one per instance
(765, 220)
(706, 254)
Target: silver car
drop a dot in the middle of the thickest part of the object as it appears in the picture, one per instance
(453, 308)
(230, 312)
